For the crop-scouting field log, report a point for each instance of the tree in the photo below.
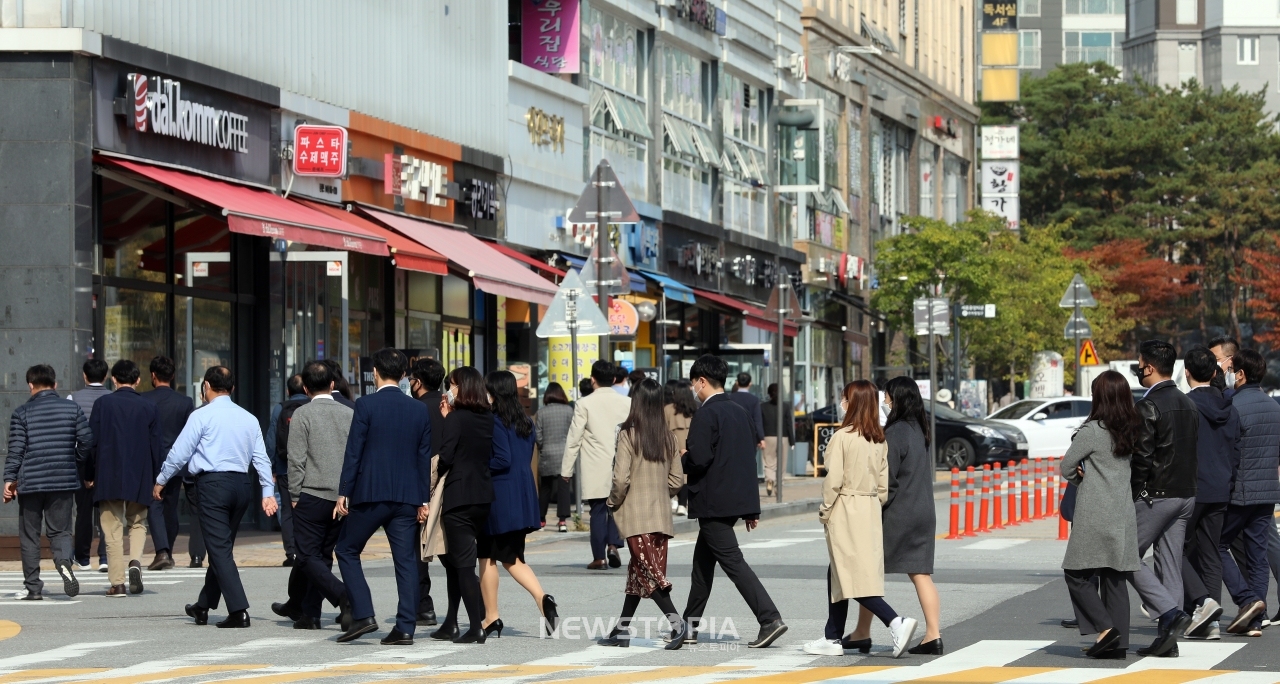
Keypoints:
(1150, 290)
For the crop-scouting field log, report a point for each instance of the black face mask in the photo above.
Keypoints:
(1137, 371)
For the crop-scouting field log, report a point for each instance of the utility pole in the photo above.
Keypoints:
(784, 304)
(933, 389)
(571, 320)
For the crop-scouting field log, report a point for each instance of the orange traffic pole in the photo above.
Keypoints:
(1064, 529)
(997, 495)
(968, 502)
(1012, 483)
(985, 502)
(1026, 490)
(954, 527)
(1053, 486)
(1037, 503)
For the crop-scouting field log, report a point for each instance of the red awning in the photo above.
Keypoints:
(489, 269)
(408, 254)
(753, 315)
(251, 211)
(521, 256)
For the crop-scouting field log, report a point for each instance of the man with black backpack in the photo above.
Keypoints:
(277, 440)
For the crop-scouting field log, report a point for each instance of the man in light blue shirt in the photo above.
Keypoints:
(218, 444)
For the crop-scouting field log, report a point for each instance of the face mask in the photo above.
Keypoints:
(448, 396)
(1231, 379)
(844, 407)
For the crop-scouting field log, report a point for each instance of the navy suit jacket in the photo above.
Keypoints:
(128, 455)
(751, 404)
(388, 451)
(174, 408)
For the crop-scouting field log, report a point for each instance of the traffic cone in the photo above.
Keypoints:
(954, 527)
(997, 496)
(968, 503)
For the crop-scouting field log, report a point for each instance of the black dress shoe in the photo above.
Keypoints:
(859, 645)
(614, 560)
(1108, 642)
(35, 596)
(926, 647)
(196, 563)
(236, 620)
(475, 635)
(285, 610)
(358, 629)
(678, 634)
(397, 638)
(550, 615)
(1167, 639)
(200, 615)
(1070, 623)
(494, 629)
(620, 637)
(344, 614)
(1114, 654)
(288, 562)
(427, 618)
(768, 634)
(306, 622)
(447, 632)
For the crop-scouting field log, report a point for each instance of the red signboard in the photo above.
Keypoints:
(320, 151)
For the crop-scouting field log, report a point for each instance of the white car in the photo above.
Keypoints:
(1047, 423)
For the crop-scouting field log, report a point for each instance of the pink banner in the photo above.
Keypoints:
(549, 35)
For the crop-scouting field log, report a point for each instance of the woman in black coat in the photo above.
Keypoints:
(465, 452)
(909, 520)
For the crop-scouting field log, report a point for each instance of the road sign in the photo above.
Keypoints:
(941, 315)
(977, 310)
(793, 312)
(573, 304)
(615, 201)
(1077, 326)
(619, 277)
(320, 151)
(1089, 355)
(1077, 294)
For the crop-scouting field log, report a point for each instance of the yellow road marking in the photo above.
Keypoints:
(177, 672)
(1161, 676)
(9, 629)
(672, 672)
(28, 675)
(812, 674)
(500, 672)
(334, 671)
(986, 675)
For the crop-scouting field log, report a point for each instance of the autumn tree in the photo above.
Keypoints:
(1154, 288)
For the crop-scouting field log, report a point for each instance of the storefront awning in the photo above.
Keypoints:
(251, 211)
(407, 254)
(753, 315)
(638, 283)
(521, 256)
(671, 288)
(489, 269)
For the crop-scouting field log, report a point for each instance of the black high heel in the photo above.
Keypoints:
(620, 636)
(927, 648)
(494, 628)
(859, 645)
(550, 615)
(447, 632)
(474, 635)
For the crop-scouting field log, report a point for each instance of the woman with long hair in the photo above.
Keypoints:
(1104, 531)
(646, 472)
(909, 519)
(769, 413)
(551, 425)
(465, 452)
(855, 488)
(514, 512)
(679, 415)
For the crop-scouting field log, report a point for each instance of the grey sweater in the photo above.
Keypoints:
(317, 444)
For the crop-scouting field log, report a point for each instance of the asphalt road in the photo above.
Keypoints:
(1002, 597)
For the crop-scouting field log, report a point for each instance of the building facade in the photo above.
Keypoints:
(1053, 32)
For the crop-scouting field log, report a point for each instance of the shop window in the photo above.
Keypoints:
(615, 51)
(744, 109)
(202, 336)
(855, 156)
(952, 188)
(201, 249)
(424, 292)
(135, 327)
(686, 85)
(928, 178)
(457, 297)
(133, 235)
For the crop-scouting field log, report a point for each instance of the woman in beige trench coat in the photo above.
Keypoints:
(856, 486)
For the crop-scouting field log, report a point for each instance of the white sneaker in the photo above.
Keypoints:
(681, 510)
(83, 567)
(675, 503)
(902, 636)
(1206, 612)
(824, 647)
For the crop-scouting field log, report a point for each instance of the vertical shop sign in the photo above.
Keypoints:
(549, 35)
(560, 364)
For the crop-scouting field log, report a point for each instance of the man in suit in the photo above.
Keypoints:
(425, 385)
(277, 440)
(593, 440)
(720, 461)
(750, 403)
(340, 386)
(172, 410)
(123, 468)
(95, 374)
(218, 444)
(317, 434)
(386, 482)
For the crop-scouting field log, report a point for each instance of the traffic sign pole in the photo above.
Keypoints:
(1076, 313)
(603, 248)
(571, 318)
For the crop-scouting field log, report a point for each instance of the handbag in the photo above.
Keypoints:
(1067, 507)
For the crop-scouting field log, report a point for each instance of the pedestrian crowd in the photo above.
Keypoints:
(448, 472)
(1191, 477)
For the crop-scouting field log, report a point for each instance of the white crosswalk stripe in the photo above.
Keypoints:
(61, 653)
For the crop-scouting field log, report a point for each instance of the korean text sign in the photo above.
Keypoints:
(320, 151)
(549, 35)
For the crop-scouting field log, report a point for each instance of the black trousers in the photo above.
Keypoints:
(461, 527)
(1248, 583)
(195, 545)
(316, 533)
(717, 543)
(86, 528)
(1201, 562)
(1102, 607)
(224, 498)
(286, 517)
(425, 604)
(554, 487)
(164, 531)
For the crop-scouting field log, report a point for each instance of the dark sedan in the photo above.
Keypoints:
(962, 441)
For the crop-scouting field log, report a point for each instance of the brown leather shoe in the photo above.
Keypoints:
(118, 591)
(597, 565)
(163, 561)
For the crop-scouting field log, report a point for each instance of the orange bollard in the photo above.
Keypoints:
(1054, 480)
(984, 504)
(1014, 488)
(954, 527)
(1026, 490)
(1037, 502)
(997, 495)
(1064, 530)
(968, 503)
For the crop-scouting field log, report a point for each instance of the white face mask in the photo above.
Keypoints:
(1231, 379)
(448, 396)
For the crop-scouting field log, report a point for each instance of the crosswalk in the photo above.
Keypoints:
(255, 661)
(92, 584)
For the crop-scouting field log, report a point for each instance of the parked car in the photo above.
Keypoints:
(1047, 423)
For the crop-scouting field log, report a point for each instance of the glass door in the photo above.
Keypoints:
(309, 310)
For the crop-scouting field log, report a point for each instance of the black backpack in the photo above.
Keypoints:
(282, 433)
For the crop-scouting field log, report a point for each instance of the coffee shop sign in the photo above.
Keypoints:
(158, 107)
